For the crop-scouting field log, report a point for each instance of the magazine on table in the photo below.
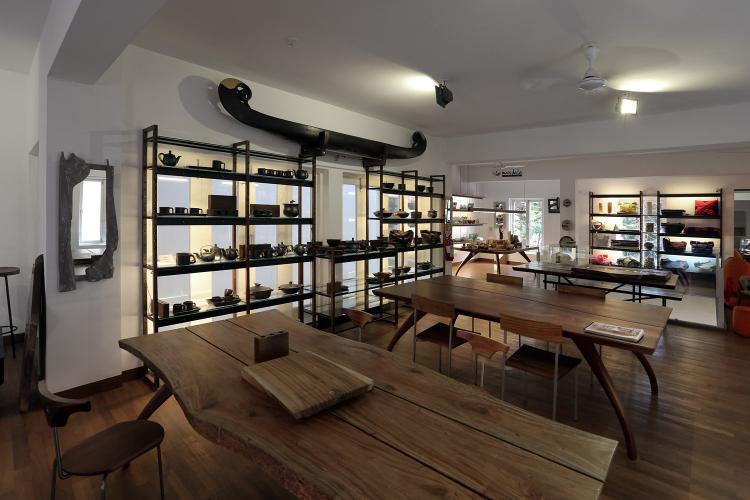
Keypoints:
(615, 331)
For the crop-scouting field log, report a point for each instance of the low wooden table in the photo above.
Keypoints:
(418, 434)
(565, 273)
(489, 301)
(496, 252)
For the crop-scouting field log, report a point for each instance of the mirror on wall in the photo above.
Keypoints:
(87, 231)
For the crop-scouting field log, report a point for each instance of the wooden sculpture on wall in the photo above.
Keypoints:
(73, 170)
(33, 362)
(235, 95)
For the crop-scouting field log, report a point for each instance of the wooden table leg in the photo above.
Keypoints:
(467, 259)
(497, 260)
(649, 371)
(523, 254)
(408, 323)
(589, 352)
(158, 399)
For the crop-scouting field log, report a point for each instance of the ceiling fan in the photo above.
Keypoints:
(592, 83)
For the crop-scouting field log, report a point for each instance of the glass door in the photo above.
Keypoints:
(528, 226)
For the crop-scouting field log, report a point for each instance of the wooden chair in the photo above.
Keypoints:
(546, 364)
(503, 280)
(438, 326)
(483, 349)
(104, 452)
(360, 319)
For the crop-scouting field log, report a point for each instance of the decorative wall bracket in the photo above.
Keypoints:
(235, 96)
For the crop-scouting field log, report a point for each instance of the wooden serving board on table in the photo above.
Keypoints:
(306, 383)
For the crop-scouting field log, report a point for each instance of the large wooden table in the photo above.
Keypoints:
(565, 273)
(418, 434)
(493, 251)
(479, 299)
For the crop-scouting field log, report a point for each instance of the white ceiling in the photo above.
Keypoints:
(21, 23)
(511, 63)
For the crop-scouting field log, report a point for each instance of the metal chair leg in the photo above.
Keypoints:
(502, 378)
(472, 323)
(54, 479)
(554, 387)
(575, 394)
(161, 472)
(103, 487)
(489, 323)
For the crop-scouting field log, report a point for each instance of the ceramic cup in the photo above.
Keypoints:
(196, 211)
(184, 258)
(217, 165)
(180, 210)
(166, 210)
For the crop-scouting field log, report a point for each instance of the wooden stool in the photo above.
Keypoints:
(5, 272)
(360, 319)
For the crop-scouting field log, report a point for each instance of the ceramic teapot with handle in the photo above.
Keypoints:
(230, 253)
(169, 159)
(206, 254)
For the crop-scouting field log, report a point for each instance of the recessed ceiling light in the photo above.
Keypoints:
(421, 83)
(627, 105)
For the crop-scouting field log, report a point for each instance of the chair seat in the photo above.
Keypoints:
(436, 332)
(110, 449)
(540, 362)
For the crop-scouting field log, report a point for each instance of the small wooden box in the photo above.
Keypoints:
(271, 346)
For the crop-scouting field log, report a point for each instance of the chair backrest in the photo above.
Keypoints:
(359, 318)
(482, 346)
(546, 332)
(432, 306)
(579, 290)
(505, 280)
(57, 409)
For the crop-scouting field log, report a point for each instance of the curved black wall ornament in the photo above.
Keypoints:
(234, 96)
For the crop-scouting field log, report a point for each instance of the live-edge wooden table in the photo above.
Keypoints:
(489, 301)
(418, 434)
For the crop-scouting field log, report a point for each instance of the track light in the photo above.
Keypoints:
(443, 95)
(627, 105)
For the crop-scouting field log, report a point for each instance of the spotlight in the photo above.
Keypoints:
(626, 105)
(443, 95)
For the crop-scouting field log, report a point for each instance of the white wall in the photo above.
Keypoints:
(711, 169)
(104, 121)
(16, 206)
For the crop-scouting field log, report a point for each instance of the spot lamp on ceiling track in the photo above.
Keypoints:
(443, 95)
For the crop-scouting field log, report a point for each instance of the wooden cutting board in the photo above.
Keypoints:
(306, 383)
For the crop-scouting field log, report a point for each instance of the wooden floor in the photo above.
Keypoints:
(694, 438)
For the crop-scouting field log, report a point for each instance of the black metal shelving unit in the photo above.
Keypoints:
(598, 213)
(713, 236)
(240, 175)
(359, 289)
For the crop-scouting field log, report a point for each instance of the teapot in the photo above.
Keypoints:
(291, 209)
(281, 249)
(230, 253)
(169, 159)
(206, 254)
(301, 174)
(299, 249)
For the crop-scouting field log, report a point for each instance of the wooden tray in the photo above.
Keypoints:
(633, 274)
(306, 383)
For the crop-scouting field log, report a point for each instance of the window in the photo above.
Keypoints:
(529, 226)
(349, 224)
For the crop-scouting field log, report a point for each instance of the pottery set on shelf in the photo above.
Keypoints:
(299, 174)
(171, 160)
(227, 299)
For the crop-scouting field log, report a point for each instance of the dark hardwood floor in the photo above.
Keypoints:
(693, 438)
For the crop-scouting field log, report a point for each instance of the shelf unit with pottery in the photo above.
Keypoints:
(607, 218)
(401, 191)
(697, 263)
(238, 157)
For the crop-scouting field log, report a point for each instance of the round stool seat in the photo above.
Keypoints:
(9, 271)
(741, 320)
